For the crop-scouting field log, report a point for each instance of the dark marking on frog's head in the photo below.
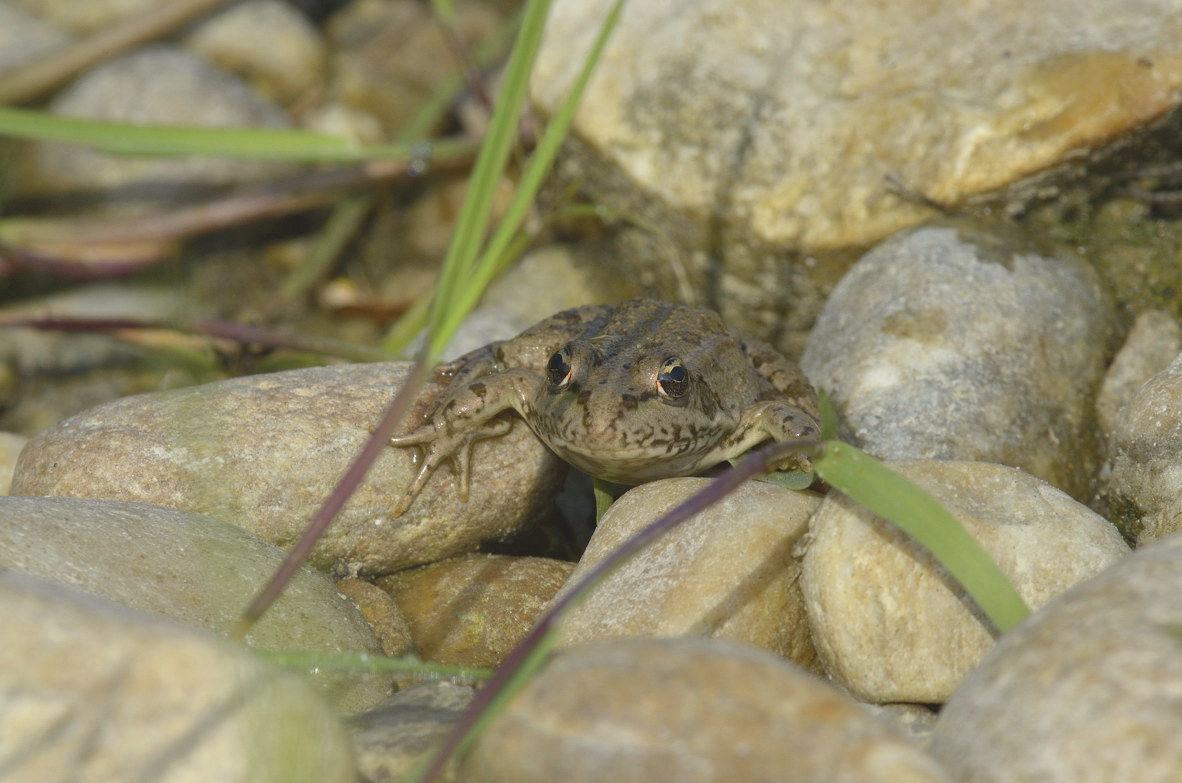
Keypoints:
(625, 418)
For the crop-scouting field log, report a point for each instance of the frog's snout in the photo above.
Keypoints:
(803, 426)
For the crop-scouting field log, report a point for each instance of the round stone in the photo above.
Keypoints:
(1088, 690)
(692, 710)
(727, 572)
(888, 621)
(91, 690)
(1145, 481)
(192, 568)
(265, 451)
(956, 342)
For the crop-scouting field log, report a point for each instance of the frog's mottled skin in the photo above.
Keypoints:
(628, 393)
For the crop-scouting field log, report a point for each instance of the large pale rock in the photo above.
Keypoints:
(691, 710)
(192, 568)
(758, 136)
(956, 342)
(1145, 485)
(888, 621)
(728, 572)
(263, 452)
(1088, 690)
(91, 691)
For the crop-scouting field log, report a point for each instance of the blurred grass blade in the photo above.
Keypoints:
(888, 494)
(476, 212)
(445, 11)
(828, 416)
(284, 144)
(408, 666)
(538, 166)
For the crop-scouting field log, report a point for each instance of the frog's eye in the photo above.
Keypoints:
(558, 368)
(673, 380)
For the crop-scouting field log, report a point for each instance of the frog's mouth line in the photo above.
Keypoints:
(611, 453)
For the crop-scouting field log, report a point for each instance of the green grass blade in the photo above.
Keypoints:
(476, 212)
(281, 144)
(445, 11)
(539, 165)
(603, 497)
(407, 666)
(344, 222)
(886, 493)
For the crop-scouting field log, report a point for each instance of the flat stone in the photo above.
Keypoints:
(94, 691)
(691, 710)
(473, 610)
(263, 452)
(191, 568)
(954, 341)
(1085, 691)
(728, 572)
(887, 620)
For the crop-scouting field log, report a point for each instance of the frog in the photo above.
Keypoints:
(628, 393)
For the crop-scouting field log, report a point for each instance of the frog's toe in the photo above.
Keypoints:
(426, 467)
(399, 507)
(414, 437)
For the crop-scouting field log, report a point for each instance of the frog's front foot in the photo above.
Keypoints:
(793, 425)
(438, 442)
(782, 423)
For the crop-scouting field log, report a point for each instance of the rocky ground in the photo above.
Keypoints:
(959, 219)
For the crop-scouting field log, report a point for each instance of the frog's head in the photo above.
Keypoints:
(636, 416)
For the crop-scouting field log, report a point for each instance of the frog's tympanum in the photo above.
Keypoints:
(628, 393)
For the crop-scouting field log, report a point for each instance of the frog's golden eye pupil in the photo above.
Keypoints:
(673, 380)
(558, 369)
